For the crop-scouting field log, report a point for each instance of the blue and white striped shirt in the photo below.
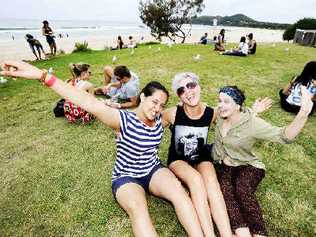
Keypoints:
(137, 146)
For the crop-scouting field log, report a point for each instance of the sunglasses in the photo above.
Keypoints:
(189, 85)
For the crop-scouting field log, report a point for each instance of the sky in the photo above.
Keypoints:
(279, 11)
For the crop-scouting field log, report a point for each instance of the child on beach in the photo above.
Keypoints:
(34, 43)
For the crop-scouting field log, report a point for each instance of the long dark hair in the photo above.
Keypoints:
(222, 33)
(308, 73)
(150, 88)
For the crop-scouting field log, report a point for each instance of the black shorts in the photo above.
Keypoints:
(50, 39)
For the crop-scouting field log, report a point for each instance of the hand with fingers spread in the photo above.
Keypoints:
(20, 69)
(306, 101)
(262, 105)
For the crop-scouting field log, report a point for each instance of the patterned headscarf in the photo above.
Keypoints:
(233, 93)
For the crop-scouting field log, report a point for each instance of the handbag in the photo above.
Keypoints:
(59, 108)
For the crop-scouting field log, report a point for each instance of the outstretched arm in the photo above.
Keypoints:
(294, 128)
(106, 114)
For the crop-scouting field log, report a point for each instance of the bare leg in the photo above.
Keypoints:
(132, 199)
(39, 53)
(195, 183)
(108, 73)
(54, 48)
(34, 52)
(51, 49)
(164, 184)
(215, 198)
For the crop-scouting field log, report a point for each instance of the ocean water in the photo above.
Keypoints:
(17, 29)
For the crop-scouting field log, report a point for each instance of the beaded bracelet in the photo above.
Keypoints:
(43, 76)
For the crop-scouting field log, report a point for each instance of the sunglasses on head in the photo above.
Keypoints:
(189, 85)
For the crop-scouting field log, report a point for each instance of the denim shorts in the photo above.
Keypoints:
(142, 181)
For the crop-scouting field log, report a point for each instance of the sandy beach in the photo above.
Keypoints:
(18, 49)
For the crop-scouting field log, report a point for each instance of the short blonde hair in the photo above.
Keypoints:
(182, 76)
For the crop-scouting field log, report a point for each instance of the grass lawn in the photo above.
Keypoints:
(56, 177)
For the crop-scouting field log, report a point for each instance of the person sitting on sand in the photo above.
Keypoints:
(242, 49)
(131, 43)
(290, 95)
(252, 44)
(34, 43)
(121, 85)
(219, 45)
(203, 39)
(48, 33)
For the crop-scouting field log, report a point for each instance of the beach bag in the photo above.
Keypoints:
(75, 114)
(59, 108)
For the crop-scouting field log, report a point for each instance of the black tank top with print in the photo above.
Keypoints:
(189, 137)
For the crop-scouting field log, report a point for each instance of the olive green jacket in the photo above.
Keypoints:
(236, 147)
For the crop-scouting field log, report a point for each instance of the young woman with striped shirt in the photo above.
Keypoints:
(137, 169)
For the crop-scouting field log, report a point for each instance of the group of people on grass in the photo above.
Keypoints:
(131, 44)
(247, 45)
(221, 177)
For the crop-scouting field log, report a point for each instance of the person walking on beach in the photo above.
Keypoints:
(138, 169)
(34, 43)
(48, 33)
(239, 169)
(121, 85)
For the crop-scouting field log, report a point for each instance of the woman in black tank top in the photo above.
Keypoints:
(187, 158)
